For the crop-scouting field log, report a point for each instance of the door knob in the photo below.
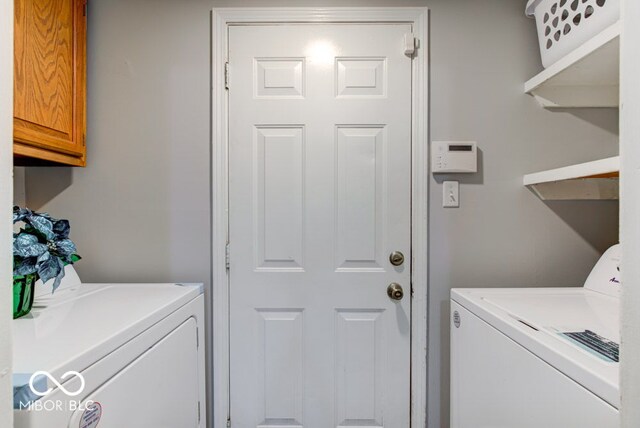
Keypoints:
(396, 258)
(395, 291)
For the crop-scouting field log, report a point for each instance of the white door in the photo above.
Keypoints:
(320, 195)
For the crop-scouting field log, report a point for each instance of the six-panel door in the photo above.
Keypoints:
(320, 195)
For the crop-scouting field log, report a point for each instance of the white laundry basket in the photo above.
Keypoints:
(563, 25)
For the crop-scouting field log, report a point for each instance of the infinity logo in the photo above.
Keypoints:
(53, 380)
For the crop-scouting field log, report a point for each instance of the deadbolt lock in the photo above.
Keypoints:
(395, 291)
(396, 258)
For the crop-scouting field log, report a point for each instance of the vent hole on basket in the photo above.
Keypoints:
(563, 2)
(547, 31)
(565, 14)
(546, 18)
(575, 4)
(549, 43)
(576, 19)
(557, 35)
(554, 8)
(555, 22)
(588, 12)
(567, 29)
(601, 2)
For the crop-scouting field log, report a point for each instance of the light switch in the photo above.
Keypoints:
(450, 194)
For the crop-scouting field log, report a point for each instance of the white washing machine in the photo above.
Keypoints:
(538, 357)
(111, 355)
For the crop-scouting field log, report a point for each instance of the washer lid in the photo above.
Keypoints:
(562, 311)
(76, 327)
(536, 318)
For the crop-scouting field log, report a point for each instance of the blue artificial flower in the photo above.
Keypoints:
(42, 246)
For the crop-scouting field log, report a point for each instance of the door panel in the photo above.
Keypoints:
(360, 207)
(279, 189)
(359, 368)
(319, 195)
(282, 380)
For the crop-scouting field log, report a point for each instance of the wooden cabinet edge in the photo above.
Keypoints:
(22, 133)
(80, 77)
(22, 150)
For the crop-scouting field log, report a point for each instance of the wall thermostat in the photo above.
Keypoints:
(454, 157)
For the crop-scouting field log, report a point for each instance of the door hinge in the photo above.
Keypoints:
(410, 44)
(198, 412)
(197, 337)
(226, 75)
(227, 257)
(228, 422)
(84, 9)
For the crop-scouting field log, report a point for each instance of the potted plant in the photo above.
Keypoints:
(41, 250)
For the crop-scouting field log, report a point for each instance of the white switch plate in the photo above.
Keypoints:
(450, 194)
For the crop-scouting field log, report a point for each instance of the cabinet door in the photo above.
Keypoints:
(50, 80)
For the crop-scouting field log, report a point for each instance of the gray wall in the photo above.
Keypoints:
(140, 210)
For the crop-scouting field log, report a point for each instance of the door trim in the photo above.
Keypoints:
(221, 19)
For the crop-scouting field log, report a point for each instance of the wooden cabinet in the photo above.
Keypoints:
(50, 82)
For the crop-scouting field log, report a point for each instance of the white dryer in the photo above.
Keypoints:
(111, 355)
(538, 357)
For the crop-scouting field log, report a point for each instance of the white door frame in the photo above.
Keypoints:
(219, 300)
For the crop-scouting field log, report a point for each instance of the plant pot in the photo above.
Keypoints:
(23, 294)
